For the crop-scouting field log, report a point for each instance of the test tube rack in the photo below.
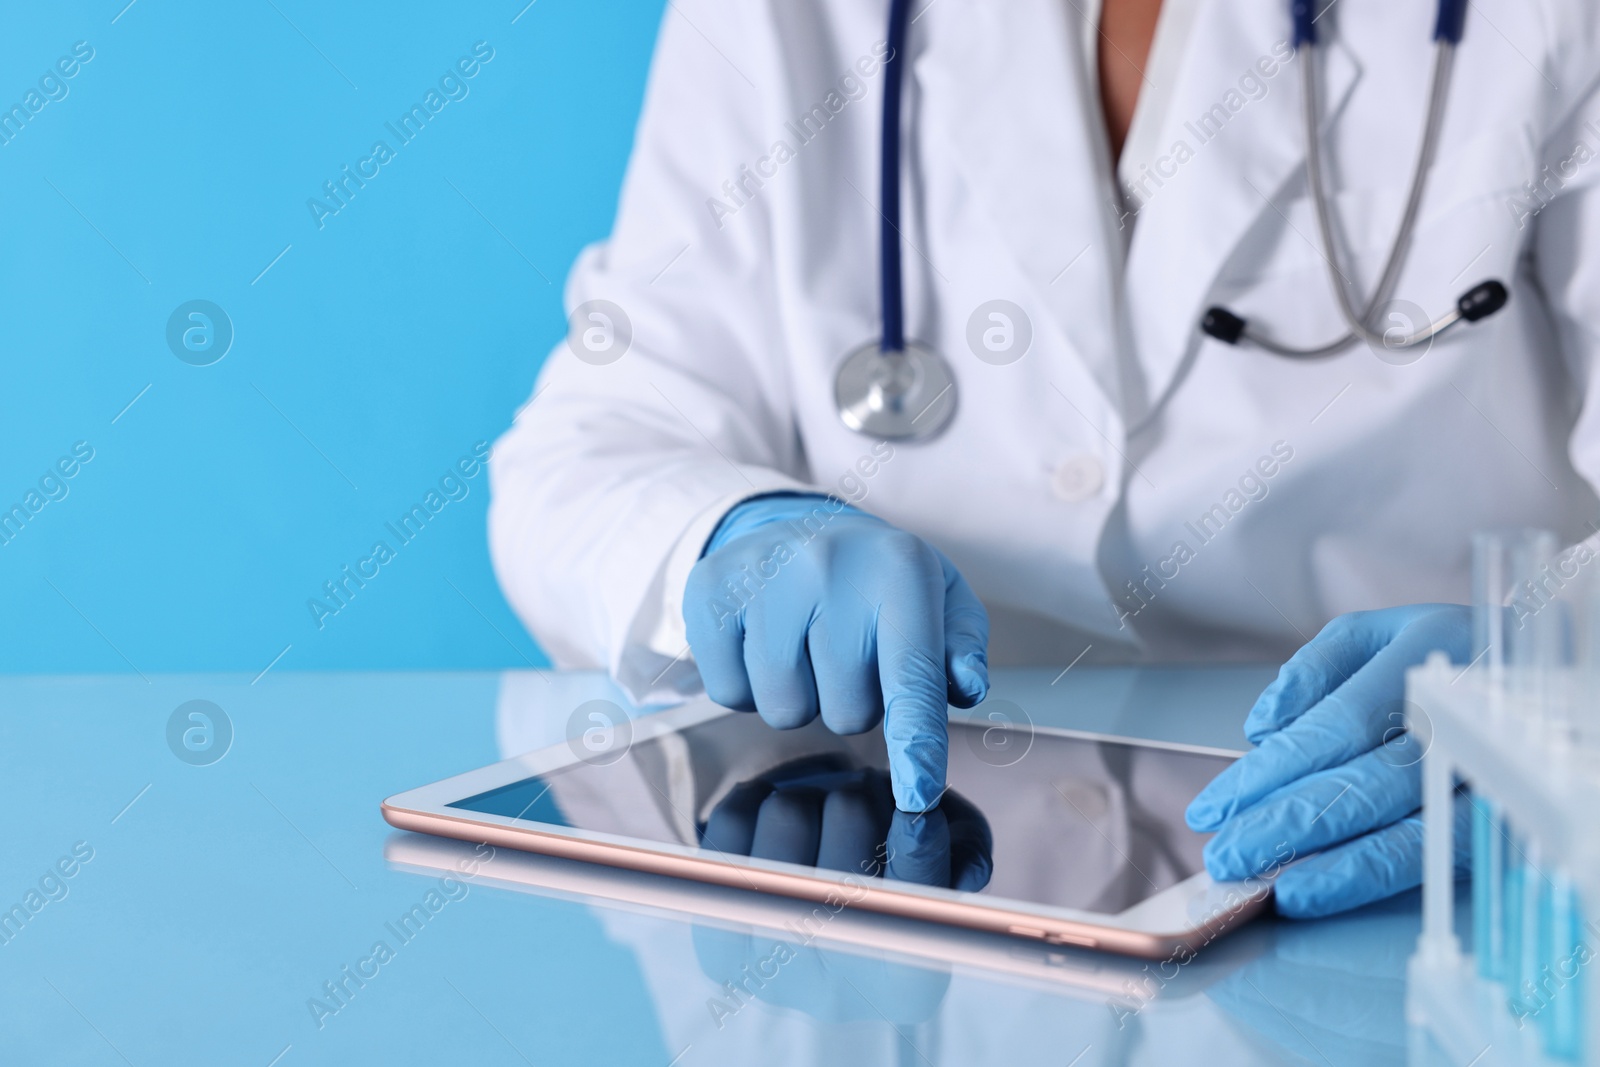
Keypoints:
(1509, 758)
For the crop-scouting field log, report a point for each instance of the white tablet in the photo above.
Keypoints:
(1055, 835)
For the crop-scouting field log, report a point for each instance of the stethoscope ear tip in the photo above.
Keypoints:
(1482, 300)
(1222, 324)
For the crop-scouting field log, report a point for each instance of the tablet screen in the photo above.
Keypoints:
(1030, 814)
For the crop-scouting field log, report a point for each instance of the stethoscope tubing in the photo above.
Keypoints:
(891, 287)
(1482, 300)
(1358, 330)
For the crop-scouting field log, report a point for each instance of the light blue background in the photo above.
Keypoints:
(372, 354)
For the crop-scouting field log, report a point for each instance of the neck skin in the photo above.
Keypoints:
(1126, 29)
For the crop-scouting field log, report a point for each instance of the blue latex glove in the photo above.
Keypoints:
(802, 605)
(1333, 773)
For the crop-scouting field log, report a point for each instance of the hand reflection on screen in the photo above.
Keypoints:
(820, 812)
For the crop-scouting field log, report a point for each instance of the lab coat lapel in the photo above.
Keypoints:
(1237, 152)
(1004, 89)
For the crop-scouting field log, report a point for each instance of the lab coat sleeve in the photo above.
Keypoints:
(614, 474)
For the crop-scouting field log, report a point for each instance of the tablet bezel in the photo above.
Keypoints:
(1173, 923)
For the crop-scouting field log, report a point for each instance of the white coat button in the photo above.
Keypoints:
(1078, 478)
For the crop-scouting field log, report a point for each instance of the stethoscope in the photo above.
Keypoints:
(893, 388)
(899, 389)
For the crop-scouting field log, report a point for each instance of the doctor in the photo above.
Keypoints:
(702, 491)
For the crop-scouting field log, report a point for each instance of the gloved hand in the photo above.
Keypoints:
(1334, 772)
(803, 605)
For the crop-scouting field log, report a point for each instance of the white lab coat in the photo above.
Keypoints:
(1067, 473)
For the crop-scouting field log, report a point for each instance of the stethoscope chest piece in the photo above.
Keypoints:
(907, 395)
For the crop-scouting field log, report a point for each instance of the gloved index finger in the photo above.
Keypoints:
(911, 672)
(966, 639)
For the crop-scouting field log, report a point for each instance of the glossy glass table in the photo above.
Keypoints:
(195, 871)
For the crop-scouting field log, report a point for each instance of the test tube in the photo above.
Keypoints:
(1532, 620)
(1505, 565)
(1491, 581)
(1522, 961)
(1521, 610)
(1488, 887)
(1560, 937)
